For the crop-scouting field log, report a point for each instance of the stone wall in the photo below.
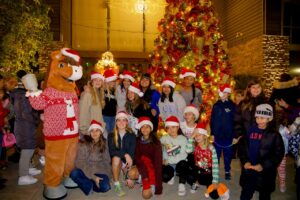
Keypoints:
(266, 56)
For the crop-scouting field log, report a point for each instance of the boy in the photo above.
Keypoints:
(260, 152)
(222, 127)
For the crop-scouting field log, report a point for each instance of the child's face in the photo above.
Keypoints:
(189, 117)
(225, 96)
(97, 82)
(130, 95)
(146, 130)
(122, 123)
(262, 122)
(111, 84)
(95, 134)
(126, 83)
(200, 138)
(255, 90)
(166, 90)
(188, 81)
(145, 82)
(172, 130)
(238, 98)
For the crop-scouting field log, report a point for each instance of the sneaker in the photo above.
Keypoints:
(172, 181)
(34, 171)
(118, 189)
(194, 188)
(181, 189)
(26, 180)
(227, 176)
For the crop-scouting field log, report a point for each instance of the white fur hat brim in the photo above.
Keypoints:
(121, 115)
(192, 110)
(96, 126)
(187, 74)
(202, 131)
(170, 83)
(136, 90)
(171, 124)
(127, 76)
(111, 78)
(94, 76)
(145, 122)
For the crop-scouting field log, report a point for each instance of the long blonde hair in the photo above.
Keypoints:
(116, 135)
(97, 94)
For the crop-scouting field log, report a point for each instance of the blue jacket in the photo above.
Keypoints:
(222, 120)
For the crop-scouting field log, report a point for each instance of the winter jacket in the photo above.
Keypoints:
(270, 154)
(26, 119)
(90, 160)
(153, 151)
(175, 108)
(125, 146)
(222, 120)
(152, 97)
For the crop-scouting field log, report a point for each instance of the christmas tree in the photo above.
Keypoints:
(190, 38)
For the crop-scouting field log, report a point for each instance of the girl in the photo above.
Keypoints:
(110, 108)
(151, 96)
(205, 168)
(92, 165)
(174, 154)
(136, 107)
(127, 78)
(91, 103)
(191, 115)
(148, 158)
(171, 103)
(189, 92)
(121, 144)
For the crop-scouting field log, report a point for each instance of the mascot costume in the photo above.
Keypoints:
(61, 114)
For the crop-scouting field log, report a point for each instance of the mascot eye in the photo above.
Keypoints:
(61, 65)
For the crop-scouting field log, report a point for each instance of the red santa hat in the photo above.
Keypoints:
(201, 129)
(224, 88)
(134, 87)
(110, 75)
(192, 108)
(127, 74)
(144, 121)
(97, 75)
(70, 53)
(122, 114)
(168, 81)
(187, 72)
(96, 125)
(172, 121)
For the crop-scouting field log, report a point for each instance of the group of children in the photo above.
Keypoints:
(118, 125)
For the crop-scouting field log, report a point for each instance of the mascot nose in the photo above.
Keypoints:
(76, 73)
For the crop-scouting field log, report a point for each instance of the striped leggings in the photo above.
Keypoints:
(282, 173)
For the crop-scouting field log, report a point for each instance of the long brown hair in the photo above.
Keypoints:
(97, 94)
(101, 143)
(116, 134)
(131, 106)
(247, 104)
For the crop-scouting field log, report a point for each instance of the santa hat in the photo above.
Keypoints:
(144, 121)
(191, 108)
(97, 75)
(187, 72)
(110, 75)
(201, 129)
(122, 114)
(224, 88)
(70, 53)
(168, 81)
(96, 125)
(134, 87)
(127, 74)
(264, 110)
(221, 192)
(171, 121)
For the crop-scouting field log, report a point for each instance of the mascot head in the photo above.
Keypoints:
(64, 70)
(222, 192)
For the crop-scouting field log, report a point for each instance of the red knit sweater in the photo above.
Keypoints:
(53, 103)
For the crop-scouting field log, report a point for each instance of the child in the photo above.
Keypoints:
(222, 127)
(189, 92)
(174, 154)
(110, 108)
(191, 115)
(205, 168)
(261, 151)
(121, 144)
(148, 158)
(127, 79)
(91, 103)
(92, 165)
(171, 102)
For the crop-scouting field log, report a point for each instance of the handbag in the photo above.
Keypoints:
(8, 140)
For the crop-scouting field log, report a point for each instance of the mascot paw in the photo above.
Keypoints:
(55, 193)
(34, 93)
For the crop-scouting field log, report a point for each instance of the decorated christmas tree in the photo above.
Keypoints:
(190, 38)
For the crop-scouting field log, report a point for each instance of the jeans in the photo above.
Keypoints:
(109, 123)
(88, 185)
(227, 154)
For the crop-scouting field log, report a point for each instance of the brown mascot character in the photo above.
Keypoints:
(60, 104)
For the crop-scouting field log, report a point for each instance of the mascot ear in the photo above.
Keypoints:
(56, 55)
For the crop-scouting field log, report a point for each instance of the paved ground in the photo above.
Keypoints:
(34, 192)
